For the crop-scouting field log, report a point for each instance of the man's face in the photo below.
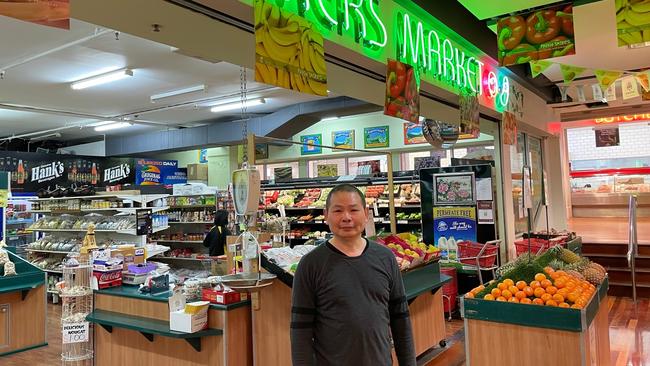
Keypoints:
(346, 215)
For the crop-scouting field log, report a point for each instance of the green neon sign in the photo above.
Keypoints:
(382, 29)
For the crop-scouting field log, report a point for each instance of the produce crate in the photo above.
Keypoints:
(468, 250)
(573, 320)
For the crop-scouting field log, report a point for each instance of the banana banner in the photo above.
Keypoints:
(632, 21)
(289, 51)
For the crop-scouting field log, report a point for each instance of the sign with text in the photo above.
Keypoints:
(75, 332)
(537, 35)
(454, 224)
(158, 172)
(606, 137)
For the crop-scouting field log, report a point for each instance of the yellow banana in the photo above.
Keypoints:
(629, 33)
(260, 50)
(277, 51)
(620, 15)
(641, 7)
(286, 36)
(318, 87)
(274, 18)
(305, 61)
(258, 74)
(646, 35)
(284, 79)
(637, 19)
(317, 61)
(620, 4)
(269, 74)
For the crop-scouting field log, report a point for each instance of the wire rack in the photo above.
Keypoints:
(77, 299)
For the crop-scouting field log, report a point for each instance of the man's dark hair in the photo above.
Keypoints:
(345, 187)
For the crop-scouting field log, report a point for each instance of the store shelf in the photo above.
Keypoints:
(52, 292)
(46, 251)
(183, 259)
(19, 222)
(296, 208)
(19, 234)
(189, 222)
(151, 253)
(52, 271)
(123, 231)
(193, 206)
(180, 241)
(314, 222)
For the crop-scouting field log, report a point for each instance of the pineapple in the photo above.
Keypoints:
(557, 264)
(575, 274)
(579, 266)
(598, 267)
(594, 276)
(568, 256)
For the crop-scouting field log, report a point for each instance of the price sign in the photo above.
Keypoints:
(75, 332)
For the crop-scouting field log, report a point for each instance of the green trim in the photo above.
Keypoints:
(575, 245)
(423, 279)
(132, 292)
(24, 349)
(22, 286)
(535, 316)
(145, 325)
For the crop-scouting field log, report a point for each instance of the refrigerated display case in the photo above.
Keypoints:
(605, 192)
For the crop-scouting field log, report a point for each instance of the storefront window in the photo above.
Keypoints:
(271, 169)
(407, 160)
(527, 153)
(327, 168)
(516, 169)
(368, 164)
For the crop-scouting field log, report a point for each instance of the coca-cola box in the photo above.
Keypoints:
(108, 279)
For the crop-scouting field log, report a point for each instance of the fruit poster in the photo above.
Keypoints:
(375, 137)
(632, 22)
(509, 127)
(343, 139)
(413, 134)
(52, 13)
(402, 91)
(289, 51)
(537, 35)
(309, 144)
(452, 225)
(469, 117)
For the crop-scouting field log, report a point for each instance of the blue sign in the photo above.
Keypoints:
(203, 156)
(158, 172)
(451, 225)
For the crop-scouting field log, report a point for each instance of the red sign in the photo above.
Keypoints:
(626, 118)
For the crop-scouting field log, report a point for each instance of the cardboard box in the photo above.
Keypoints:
(188, 323)
(130, 255)
(197, 172)
(220, 297)
(107, 279)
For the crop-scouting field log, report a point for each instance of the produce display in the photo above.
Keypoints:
(287, 258)
(631, 18)
(408, 249)
(191, 200)
(405, 194)
(68, 222)
(559, 277)
(56, 244)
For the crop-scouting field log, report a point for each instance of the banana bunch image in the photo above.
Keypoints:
(289, 51)
(633, 21)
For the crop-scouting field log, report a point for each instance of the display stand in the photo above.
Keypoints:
(77, 299)
(23, 314)
(558, 336)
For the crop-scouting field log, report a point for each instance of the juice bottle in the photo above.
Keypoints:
(93, 174)
(20, 173)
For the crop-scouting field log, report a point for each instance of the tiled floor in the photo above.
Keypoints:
(629, 333)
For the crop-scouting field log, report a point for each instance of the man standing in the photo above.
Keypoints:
(348, 296)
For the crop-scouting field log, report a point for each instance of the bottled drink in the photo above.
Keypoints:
(93, 175)
(73, 174)
(20, 173)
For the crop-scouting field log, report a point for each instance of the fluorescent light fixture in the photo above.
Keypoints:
(101, 79)
(45, 137)
(329, 118)
(236, 105)
(173, 93)
(112, 126)
(100, 123)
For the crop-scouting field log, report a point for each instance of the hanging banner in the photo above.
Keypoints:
(580, 89)
(52, 13)
(607, 78)
(597, 92)
(570, 72)
(632, 22)
(413, 134)
(564, 89)
(470, 126)
(606, 137)
(610, 93)
(539, 66)
(159, 172)
(643, 80)
(402, 91)
(509, 128)
(516, 102)
(537, 35)
(629, 87)
(289, 51)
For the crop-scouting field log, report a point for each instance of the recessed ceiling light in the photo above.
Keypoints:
(101, 79)
(173, 93)
(112, 126)
(236, 105)
(329, 118)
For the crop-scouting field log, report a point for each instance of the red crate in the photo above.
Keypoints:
(470, 249)
(536, 245)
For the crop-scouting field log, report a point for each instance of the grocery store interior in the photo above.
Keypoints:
(166, 164)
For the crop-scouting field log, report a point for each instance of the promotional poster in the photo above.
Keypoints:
(158, 172)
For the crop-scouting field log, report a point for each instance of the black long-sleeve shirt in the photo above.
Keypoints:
(344, 309)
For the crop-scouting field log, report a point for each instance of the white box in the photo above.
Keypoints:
(188, 323)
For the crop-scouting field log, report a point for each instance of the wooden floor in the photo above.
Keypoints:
(629, 333)
(608, 230)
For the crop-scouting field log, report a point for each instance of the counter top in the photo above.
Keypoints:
(422, 279)
(132, 292)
